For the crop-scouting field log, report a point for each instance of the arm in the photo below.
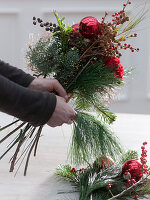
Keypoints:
(35, 107)
(14, 74)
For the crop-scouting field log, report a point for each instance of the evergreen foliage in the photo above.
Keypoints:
(91, 138)
(130, 154)
(89, 85)
(89, 183)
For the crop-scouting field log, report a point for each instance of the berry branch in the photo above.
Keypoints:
(126, 190)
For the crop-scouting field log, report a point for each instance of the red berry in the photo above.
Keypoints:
(135, 34)
(136, 197)
(119, 43)
(106, 13)
(113, 15)
(133, 180)
(142, 147)
(129, 2)
(129, 181)
(109, 185)
(131, 35)
(125, 44)
(73, 170)
(144, 143)
(107, 188)
(132, 50)
(124, 4)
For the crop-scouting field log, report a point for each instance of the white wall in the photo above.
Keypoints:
(16, 24)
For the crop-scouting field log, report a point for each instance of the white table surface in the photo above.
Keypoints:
(40, 182)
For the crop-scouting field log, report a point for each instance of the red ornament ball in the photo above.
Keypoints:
(76, 28)
(114, 64)
(89, 27)
(103, 162)
(134, 168)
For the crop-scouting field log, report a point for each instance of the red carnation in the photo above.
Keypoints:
(114, 64)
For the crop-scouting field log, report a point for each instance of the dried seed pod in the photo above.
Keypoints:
(34, 18)
(47, 28)
(39, 20)
(47, 23)
(51, 29)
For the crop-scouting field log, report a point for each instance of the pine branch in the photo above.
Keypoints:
(22, 138)
(30, 151)
(16, 129)
(1, 129)
(37, 141)
(91, 138)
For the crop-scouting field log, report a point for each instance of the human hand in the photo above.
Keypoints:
(49, 85)
(63, 113)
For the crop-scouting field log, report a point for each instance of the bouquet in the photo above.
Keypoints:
(85, 59)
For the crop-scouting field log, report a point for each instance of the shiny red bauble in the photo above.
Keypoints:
(89, 27)
(134, 168)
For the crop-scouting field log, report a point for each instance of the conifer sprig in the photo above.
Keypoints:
(90, 138)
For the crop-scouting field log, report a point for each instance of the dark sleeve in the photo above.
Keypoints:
(14, 74)
(28, 105)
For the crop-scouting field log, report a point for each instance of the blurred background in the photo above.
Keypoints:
(16, 29)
